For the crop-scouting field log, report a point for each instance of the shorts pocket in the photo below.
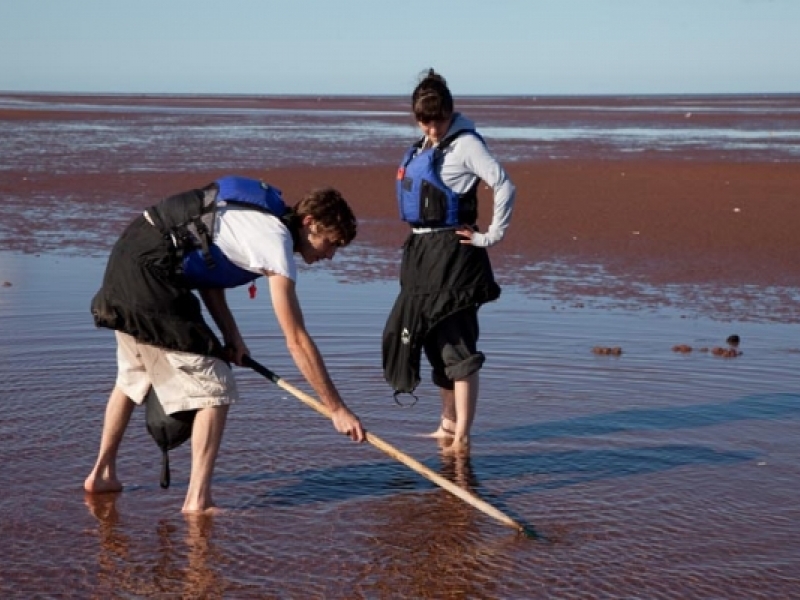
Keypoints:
(201, 377)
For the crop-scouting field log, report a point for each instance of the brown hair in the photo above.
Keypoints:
(330, 210)
(431, 100)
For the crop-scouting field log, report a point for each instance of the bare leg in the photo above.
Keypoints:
(103, 477)
(209, 424)
(448, 422)
(466, 399)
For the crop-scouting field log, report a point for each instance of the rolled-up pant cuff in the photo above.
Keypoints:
(458, 371)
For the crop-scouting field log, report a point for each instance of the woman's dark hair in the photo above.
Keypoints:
(330, 210)
(431, 100)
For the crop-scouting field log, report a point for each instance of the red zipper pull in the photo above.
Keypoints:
(252, 290)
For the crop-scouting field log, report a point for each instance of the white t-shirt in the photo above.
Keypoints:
(255, 240)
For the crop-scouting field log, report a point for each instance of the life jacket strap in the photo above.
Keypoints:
(409, 405)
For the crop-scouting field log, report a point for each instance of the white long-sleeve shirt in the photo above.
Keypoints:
(466, 159)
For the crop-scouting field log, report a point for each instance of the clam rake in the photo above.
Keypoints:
(410, 462)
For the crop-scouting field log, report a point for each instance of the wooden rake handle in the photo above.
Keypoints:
(413, 464)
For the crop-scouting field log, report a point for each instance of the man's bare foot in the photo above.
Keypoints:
(445, 431)
(206, 512)
(95, 484)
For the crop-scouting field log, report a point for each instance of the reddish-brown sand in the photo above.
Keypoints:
(665, 222)
(658, 221)
(668, 222)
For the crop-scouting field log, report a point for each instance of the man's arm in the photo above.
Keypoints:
(217, 305)
(307, 357)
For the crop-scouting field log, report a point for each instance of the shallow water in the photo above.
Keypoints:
(652, 474)
(199, 134)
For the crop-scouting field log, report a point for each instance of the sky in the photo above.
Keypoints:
(324, 47)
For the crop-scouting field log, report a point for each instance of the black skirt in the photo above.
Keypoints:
(438, 277)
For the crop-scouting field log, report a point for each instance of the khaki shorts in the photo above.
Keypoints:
(181, 380)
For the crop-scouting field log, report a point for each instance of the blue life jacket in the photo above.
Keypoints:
(188, 219)
(212, 268)
(423, 199)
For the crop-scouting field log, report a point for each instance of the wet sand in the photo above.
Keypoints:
(650, 473)
(726, 226)
(647, 218)
(665, 222)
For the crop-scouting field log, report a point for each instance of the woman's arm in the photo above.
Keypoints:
(481, 162)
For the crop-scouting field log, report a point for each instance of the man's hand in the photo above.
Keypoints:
(347, 423)
(235, 352)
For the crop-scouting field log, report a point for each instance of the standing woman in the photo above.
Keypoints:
(445, 275)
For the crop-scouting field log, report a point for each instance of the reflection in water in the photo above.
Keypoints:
(202, 577)
(189, 570)
(433, 546)
(114, 566)
(458, 469)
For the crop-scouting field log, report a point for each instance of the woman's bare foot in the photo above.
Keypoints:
(443, 443)
(458, 447)
(445, 431)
